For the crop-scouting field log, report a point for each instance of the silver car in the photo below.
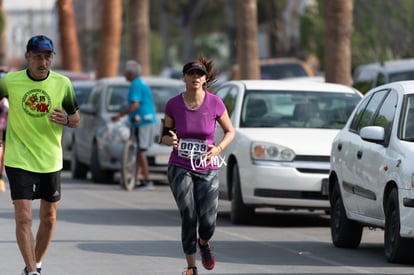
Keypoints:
(82, 89)
(98, 141)
(371, 181)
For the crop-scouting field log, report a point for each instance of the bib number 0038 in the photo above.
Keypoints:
(192, 148)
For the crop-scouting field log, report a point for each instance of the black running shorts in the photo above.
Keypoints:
(30, 185)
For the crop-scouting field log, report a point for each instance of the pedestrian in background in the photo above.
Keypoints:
(142, 115)
(41, 103)
(4, 110)
(189, 126)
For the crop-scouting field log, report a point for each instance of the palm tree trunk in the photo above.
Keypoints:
(69, 43)
(165, 33)
(110, 41)
(247, 49)
(139, 31)
(338, 32)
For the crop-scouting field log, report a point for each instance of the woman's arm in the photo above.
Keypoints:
(229, 133)
(168, 136)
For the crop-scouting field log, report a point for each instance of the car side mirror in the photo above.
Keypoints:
(373, 133)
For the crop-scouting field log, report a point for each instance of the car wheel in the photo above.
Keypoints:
(99, 175)
(396, 249)
(345, 233)
(128, 169)
(78, 169)
(240, 213)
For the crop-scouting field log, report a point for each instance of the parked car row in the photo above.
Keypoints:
(323, 146)
(298, 145)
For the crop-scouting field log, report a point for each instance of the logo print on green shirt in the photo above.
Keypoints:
(36, 103)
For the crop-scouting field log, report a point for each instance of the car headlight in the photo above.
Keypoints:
(117, 132)
(270, 151)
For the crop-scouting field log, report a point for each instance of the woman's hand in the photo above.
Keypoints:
(214, 151)
(174, 139)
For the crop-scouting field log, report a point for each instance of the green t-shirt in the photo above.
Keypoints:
(33, 142)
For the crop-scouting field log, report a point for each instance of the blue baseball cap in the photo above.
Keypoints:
(40, 43)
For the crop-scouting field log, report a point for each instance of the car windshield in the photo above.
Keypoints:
(280, 71)
(82, 93)
(297, 109)
(162, 94)
(117, 99)
(405, 75)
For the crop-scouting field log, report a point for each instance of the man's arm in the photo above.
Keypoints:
(73, 120)
(131, 108)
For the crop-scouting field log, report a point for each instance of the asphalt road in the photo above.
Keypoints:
(103, 229)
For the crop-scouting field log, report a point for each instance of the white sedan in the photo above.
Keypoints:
(371, 182)
(280, 155)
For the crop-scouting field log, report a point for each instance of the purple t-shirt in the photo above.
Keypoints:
(195, 129)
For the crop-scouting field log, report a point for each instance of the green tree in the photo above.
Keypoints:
(383, 30)
(2, 35)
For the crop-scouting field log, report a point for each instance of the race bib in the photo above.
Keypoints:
(192, 148)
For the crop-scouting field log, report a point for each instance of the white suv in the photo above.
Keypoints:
(371, 182)
(372, 75)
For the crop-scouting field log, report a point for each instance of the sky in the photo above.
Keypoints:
(25, 4)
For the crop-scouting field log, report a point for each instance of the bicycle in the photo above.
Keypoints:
(128, 163)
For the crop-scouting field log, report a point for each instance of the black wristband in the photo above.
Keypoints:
(165, 132)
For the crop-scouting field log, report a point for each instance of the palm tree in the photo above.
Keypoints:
(338, 31)
(68, 37)
(189, 12)
(247, 49)
(110, 40)
(139, 32)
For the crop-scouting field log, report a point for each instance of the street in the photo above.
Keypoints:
(103, 229)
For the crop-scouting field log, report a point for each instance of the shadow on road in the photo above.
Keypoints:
(272, 253)
(281, 219)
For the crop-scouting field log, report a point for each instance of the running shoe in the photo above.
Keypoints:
(207, 257)
(25, 272)
(146, 185)
(191, 271)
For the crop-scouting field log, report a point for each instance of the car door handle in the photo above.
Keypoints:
(339, 147)
(359, 154)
